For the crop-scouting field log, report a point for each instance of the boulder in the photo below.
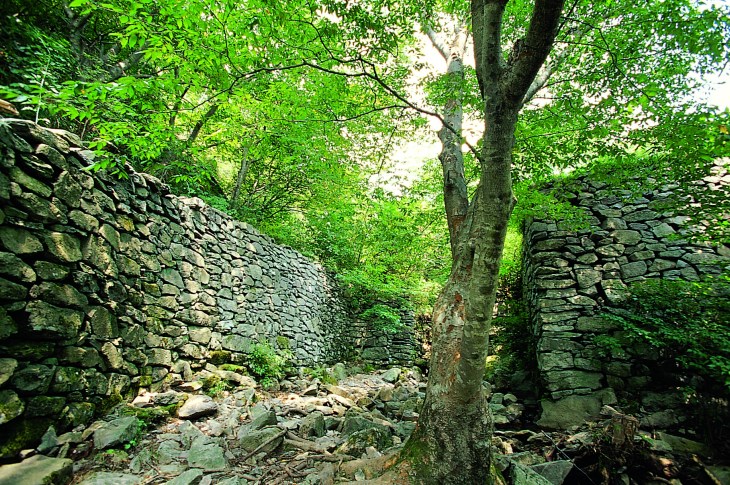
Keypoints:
(312, 425)
(10, 406)
(554, 471)
(37, 470)
(109, 478)
(391, 375)
(116, 432)
(196, 407)
(206, 455)
(253, 440)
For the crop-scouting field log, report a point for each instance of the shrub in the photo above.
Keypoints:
(266, 363)
(686, 322)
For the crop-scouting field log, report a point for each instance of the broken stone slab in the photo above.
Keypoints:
(266, 436)
(312, 425)
(116, 432)
(391, 375)
(110, 478)
(197, 406)
(260, 421)
(37, 470)
(188, 477)
(523, 475)
(554, 471)
(207, 456)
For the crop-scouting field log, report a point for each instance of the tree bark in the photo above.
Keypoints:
(451, 443)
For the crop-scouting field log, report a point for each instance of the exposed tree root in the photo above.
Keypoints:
(385, 470)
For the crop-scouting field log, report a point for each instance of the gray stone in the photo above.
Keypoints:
(116, 432)
(523, 475)
(48, 441)
(173, 277)
(37, 470)
(33, 379)
(63, 246)
(25, 180)
(611, 250)
(14, 267)
(572, 379)
(626, 237)
(574, 410)
(641, 215)
(53, 321)
(12, 291)
(44, 406)
(200, 334)
(587, 277)
(312, 425)
(253, 440)
(10, 406)
(554, 471)
(632, 270)
(159, 357)
(391, 375)
(356, 422)
(111, 235)
(111, 478)
(236, 343)
(196, 407)
(357, 443)
(188, 477)
(50, 271)
(205, 455)
(99, 254)
(68, 190)
(7, 367)
(112, 356)
(59, 294)
(662, 230)
(103, 323)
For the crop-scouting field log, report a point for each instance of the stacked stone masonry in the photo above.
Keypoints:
(106, 284)
(571, 277)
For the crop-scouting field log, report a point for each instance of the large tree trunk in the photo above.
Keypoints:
(451, 443)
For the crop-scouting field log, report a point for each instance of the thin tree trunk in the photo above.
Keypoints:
(241, 176)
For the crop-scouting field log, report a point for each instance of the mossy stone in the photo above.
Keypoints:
(22, 433)
(218, 357)
(11, 406)
(44, 406)
(77, 413)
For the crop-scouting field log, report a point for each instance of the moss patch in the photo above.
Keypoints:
(218, 357)
(22, 433)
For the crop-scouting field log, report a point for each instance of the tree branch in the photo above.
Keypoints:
(534, 50)
(436, 42)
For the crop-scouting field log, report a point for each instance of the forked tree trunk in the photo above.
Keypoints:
(451, 443)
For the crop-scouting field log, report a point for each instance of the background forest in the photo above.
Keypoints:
(290, 115)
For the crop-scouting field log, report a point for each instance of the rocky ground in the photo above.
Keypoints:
(303, 428)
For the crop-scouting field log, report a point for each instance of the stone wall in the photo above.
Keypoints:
(571, 277)
(107, 284)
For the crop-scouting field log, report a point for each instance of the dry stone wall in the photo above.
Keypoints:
(571, 277)
(106, 284)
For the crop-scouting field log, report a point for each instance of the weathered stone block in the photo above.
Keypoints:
(52, 321)
(59, 294)
(632, 270)
(33, 379)
(63, 246)
(19, 241)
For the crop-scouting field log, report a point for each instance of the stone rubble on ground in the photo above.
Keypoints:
(247, 436)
